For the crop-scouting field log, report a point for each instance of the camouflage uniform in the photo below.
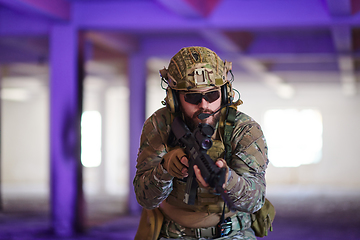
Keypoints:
(247, 234)
(245, 185)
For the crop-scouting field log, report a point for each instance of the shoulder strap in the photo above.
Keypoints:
(228, 129)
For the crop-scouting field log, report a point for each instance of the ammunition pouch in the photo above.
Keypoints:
(206, 199)
(150, 224)
(262, 220)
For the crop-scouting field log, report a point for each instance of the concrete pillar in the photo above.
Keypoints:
(104, 156)
(137, 85)
(1, 196)
(66, 83)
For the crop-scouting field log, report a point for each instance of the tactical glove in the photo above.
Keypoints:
(224, 165)
(172, 162)
(220, 163)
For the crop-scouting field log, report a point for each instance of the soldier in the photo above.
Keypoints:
(199, 92)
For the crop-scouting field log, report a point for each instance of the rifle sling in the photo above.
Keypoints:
(228, 129)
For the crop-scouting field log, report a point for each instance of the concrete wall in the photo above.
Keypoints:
(340, 115)
(24, 137)
(110, 98)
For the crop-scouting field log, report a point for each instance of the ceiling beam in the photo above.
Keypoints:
(168, 45)
(35, 46)
(113, 41)
(342, 37)
(339, 8)
(347, 75)
(52, 9)
(16, 55)
(181, 7)
(200, 9)
(341, 32)
(191, 8)
(282, 88)
(14, 24)
(285, 42)
(228, 15)
(220, 40)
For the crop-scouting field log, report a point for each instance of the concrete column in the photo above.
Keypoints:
(137, 85)
(104, 158)
(66, 83)
(1, 196)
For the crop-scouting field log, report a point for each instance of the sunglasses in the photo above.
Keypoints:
(196, 97)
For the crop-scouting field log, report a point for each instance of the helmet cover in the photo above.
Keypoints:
(195, 67)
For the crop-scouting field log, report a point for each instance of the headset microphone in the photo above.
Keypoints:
(202, 116)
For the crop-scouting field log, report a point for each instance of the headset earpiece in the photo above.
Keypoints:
(224, 95)
(227, 94)
(171, 99)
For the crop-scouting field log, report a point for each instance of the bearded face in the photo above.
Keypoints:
(191, 111)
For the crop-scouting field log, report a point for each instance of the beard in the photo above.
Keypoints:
(193, 121)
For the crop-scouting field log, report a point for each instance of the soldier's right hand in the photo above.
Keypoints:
(176, 163)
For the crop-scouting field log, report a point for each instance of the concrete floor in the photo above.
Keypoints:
(304, 214)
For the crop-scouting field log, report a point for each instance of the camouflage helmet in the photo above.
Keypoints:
(195, 67)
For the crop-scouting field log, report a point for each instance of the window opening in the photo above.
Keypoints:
(294, 136)
(91, 139)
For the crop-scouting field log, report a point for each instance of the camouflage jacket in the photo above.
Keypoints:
(246, 183)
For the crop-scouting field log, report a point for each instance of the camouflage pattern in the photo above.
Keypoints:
(246, 183)
(247, 234)
(172, 230)
(195, 67)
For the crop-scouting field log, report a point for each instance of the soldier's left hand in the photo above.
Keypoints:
(221, 163)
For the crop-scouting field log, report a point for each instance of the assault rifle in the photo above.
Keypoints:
(195, 145)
